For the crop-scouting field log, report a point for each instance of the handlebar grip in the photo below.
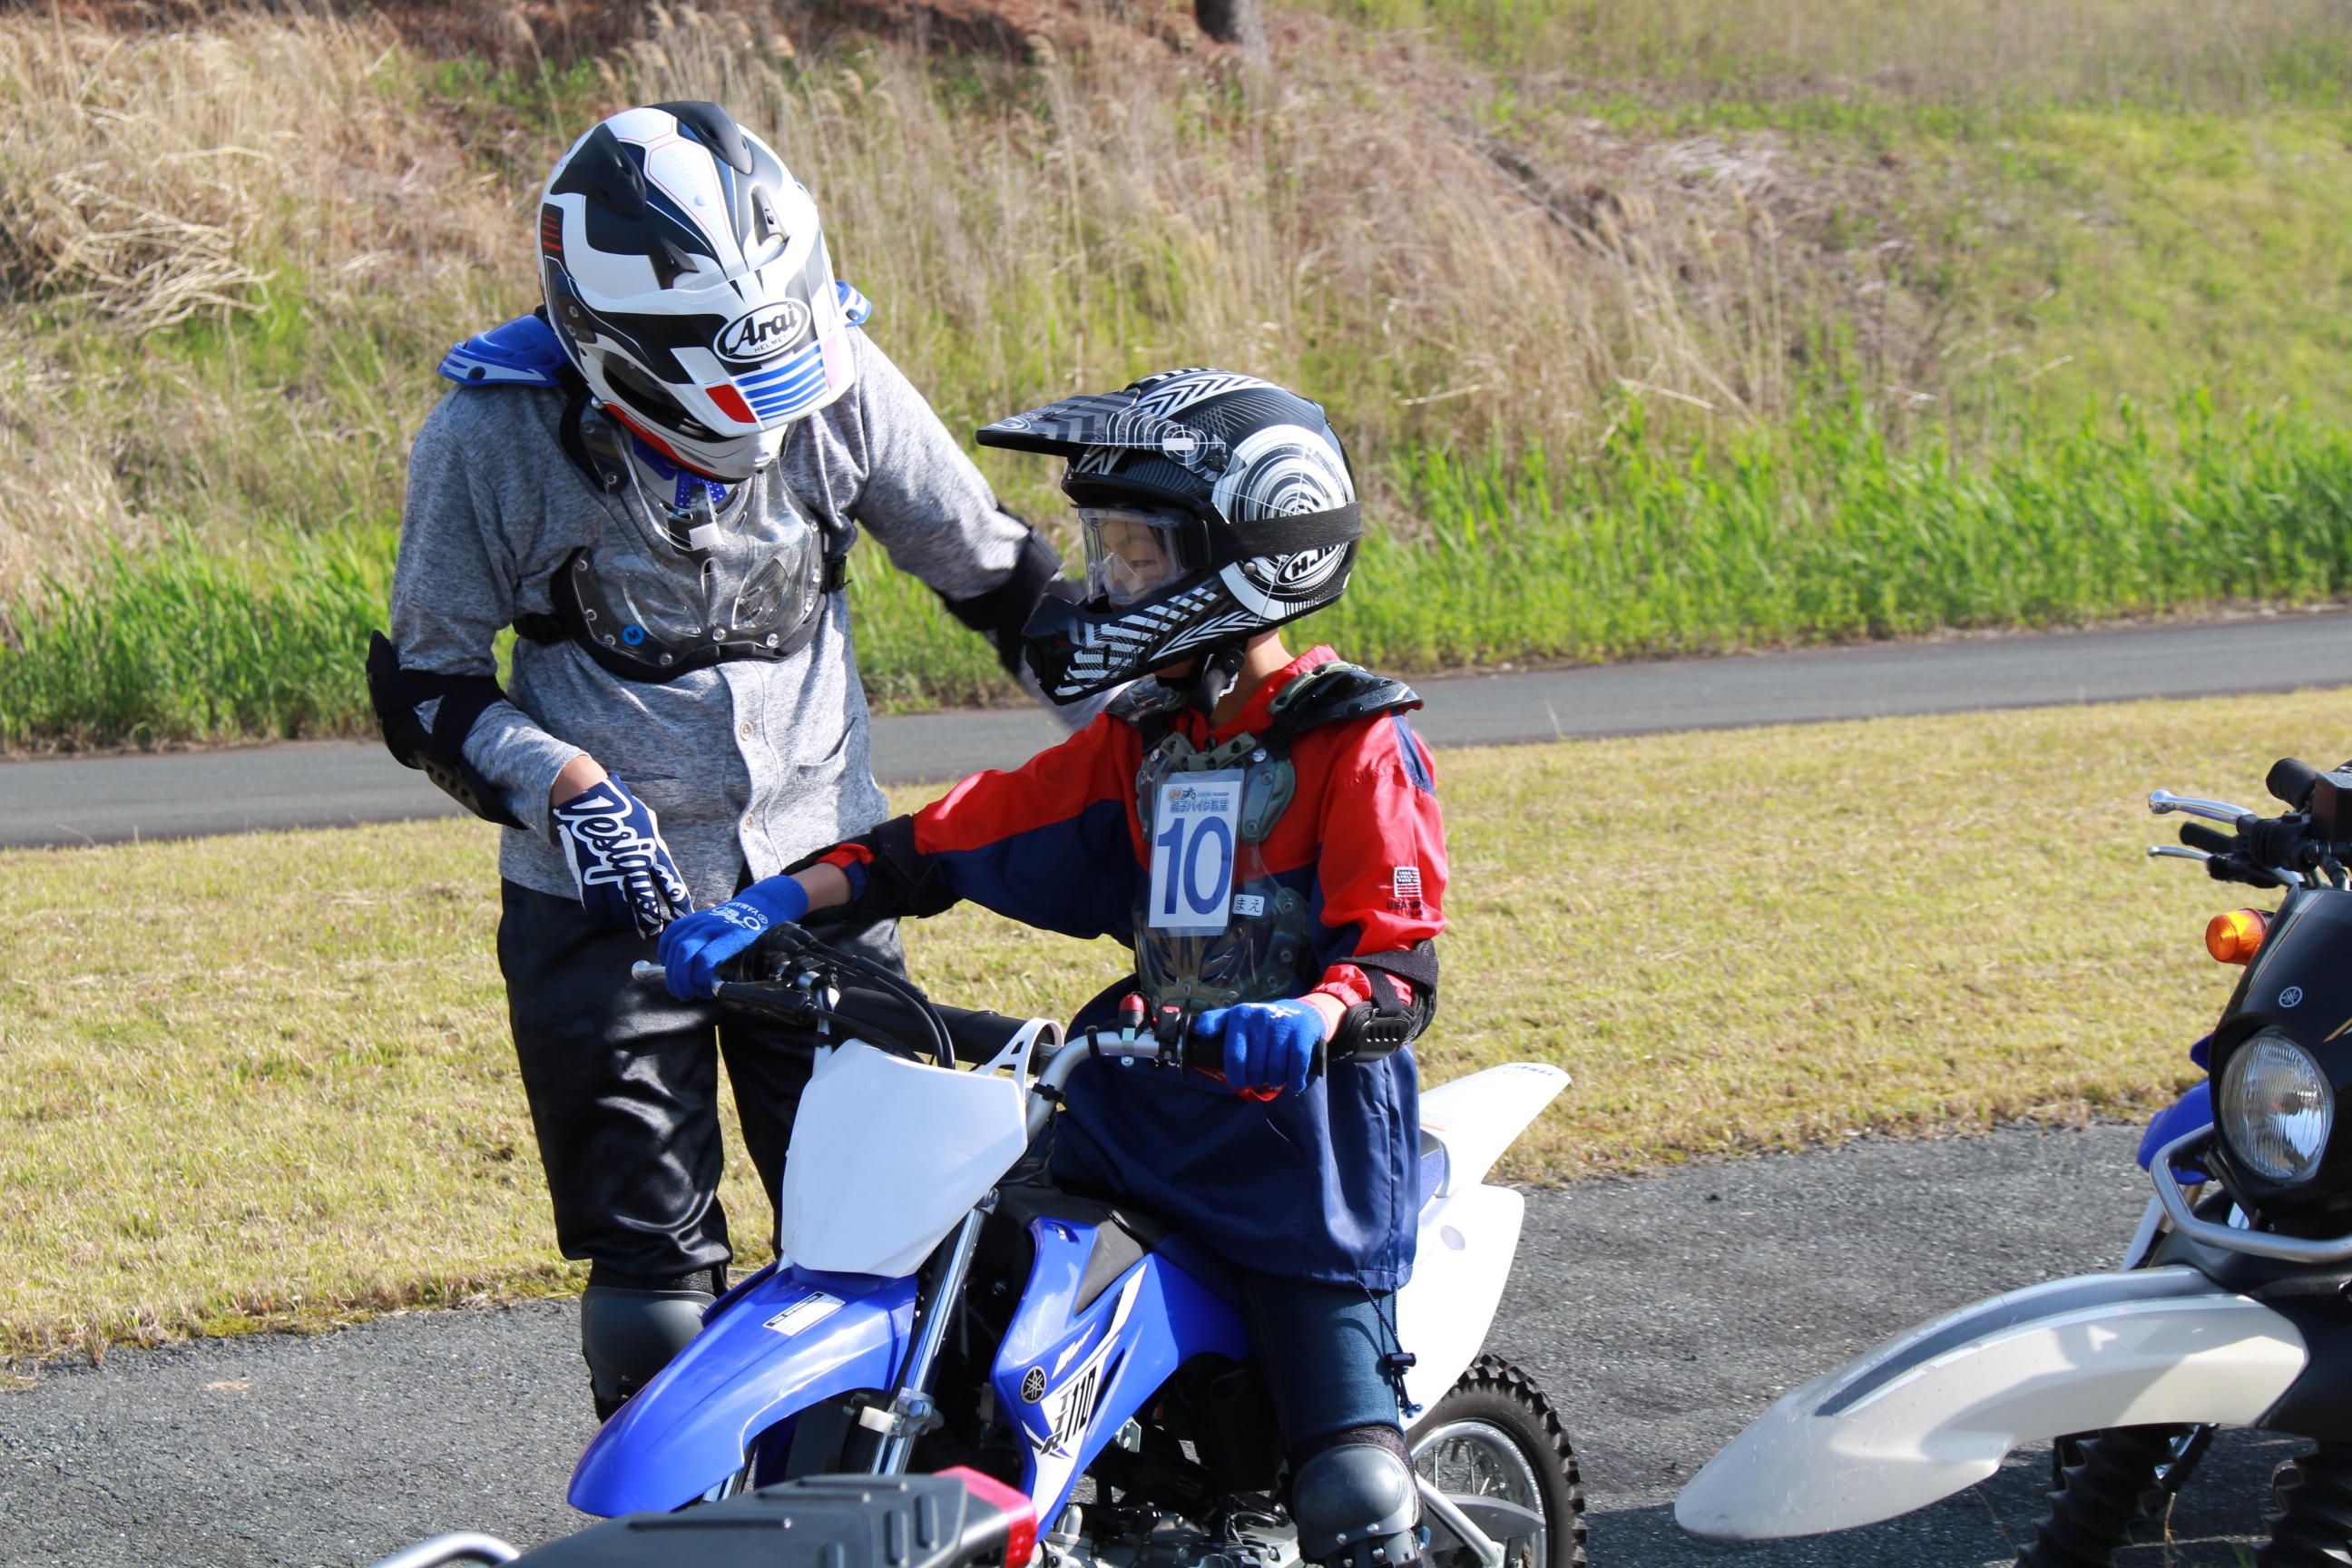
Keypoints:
(2198, 837)
(2291, 780)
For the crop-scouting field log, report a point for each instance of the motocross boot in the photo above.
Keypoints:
(630, 1327)
(1355, 1503)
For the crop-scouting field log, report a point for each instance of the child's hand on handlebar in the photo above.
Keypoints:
(1269, 1046)
(693, 948)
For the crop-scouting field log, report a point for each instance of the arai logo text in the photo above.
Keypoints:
(764, 332)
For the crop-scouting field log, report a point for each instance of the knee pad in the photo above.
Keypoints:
(629, 1333)
(1356, 1504)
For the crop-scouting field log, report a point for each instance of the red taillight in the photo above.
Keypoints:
(1020, 1513)
(2236, 936)
(731, 402)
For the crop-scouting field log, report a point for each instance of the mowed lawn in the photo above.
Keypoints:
(266, 1080)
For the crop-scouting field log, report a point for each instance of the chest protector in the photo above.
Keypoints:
(657, 595)
(1256, 949)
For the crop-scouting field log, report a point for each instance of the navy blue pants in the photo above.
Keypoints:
(1322, 1347)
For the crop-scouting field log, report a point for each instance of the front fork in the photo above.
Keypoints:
(911, 1412)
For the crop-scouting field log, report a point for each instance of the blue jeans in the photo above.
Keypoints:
(1321, 1347)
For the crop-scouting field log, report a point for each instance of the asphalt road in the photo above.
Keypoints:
(1661, 1313)
(337, 784)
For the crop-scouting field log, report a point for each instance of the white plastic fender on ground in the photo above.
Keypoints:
(1936, 1409)
(888, 1155)
(1469, 1236)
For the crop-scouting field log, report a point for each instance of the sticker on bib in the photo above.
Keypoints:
(1193, 853)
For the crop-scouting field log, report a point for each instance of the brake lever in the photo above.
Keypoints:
(2164, 803)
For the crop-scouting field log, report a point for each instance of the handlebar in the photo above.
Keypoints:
(812, 997)
(2285, 851)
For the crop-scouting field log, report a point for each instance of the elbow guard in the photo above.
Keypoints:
(898, 879)
(1000, 614)
(1381, 1027)
(426, 721)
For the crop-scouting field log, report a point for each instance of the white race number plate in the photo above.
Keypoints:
(1196, 825)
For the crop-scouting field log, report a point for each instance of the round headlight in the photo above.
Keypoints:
(2275, 1107)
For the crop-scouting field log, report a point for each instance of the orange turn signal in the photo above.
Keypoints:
(2236, 936)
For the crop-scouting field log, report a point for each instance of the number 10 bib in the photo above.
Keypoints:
(1196, 818)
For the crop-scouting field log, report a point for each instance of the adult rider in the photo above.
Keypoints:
(656, 479)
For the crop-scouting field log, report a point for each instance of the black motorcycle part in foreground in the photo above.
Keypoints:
(823, 1521)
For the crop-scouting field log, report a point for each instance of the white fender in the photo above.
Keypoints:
(1936, 1409)
(1469, 1233)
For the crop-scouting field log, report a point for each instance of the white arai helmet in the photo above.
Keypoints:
(686, 274)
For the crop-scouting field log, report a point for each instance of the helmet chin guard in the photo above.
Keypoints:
(1271, 509)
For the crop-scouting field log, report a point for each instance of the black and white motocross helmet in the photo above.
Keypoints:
(687, 276)
(1214, 506)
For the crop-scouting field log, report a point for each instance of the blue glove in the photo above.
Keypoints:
(612, 840)
(693, 949)
(1269, 1046)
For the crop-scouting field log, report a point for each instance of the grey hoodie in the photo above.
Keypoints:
(747, 763)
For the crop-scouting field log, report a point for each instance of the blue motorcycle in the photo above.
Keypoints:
(940, 1302)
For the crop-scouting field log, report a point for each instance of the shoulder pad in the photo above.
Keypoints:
(523, 353)
(1329, 693)
(855, 306)
(1139, 699)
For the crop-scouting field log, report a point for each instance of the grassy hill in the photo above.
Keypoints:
(1668, 325)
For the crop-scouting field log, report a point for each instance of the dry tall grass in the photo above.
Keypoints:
(1029, 226)
(1345, 225)
(2211, 53)
(153, 179)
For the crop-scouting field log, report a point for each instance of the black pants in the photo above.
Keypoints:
(624, 1085)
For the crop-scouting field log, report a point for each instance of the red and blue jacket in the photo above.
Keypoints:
(1322, 1186)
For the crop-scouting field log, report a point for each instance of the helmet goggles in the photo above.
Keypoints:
(1132, 552)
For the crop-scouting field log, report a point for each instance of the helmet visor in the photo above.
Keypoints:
(1130, 553)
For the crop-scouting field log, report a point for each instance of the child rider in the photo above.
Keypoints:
(1262, 830)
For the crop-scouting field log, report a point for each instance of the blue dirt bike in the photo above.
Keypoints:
(940, 1302)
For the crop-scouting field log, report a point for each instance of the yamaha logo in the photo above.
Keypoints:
(764, 333)
(1032, 1385)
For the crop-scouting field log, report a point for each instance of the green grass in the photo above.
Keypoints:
(257, 1080)
(1820, 531)
(2068, 252)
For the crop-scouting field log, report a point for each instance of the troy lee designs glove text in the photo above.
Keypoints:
(612, 840)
